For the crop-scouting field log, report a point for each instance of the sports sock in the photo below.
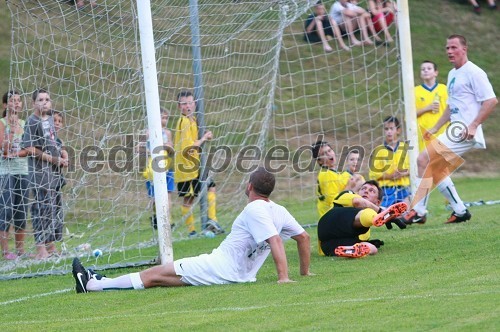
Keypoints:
(128, 281)
(424, 186)
(366, 217)
(186, 213)
(447, 188)
(211, 200)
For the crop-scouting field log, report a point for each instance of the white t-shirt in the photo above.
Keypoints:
(468, 86)
(337, 9)
(242, 253)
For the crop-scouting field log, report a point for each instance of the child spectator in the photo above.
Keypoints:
(44, 162)
(148, 172)
(382, 12)
(430, 101)
(186, 175)
(13, 176)
(353, 165)
(59, 212)
(350, 17)
(390, 165)
(319, 25)
(477, 9)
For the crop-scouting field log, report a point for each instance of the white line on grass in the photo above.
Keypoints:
(25, 298)
(229, 309)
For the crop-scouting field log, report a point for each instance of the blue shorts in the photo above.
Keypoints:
(170, 184)
(394, 195)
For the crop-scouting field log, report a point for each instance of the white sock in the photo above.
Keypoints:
(447, 188)
(128, 281)
(424, 185)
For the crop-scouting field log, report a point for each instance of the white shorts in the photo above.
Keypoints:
(199, 270)
(454, 146)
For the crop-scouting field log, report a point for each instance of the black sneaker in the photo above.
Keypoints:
(214, 226)
(454, 218)
(81, 276)
(91, 274)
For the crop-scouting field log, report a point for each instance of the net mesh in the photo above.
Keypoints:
(268, 95)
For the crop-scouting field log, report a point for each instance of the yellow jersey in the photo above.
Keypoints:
(423, 97)
(386, 160)
(330, 184)
(187, 157)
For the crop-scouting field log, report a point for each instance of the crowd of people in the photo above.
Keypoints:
(346, 18)
(32, 160)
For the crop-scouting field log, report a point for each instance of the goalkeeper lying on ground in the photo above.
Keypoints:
(255, 233)
(345, 229)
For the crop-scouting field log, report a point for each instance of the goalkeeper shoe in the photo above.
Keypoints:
(81, 276)
(412, 217)
(214, 226)
(356, 251)
(393, 211)
(454, 218)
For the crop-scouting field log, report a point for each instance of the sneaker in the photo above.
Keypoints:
(393, 211)
(214, 226)
(81, 276)
(454, 218)
(412, 217)
(192, 234)
(356, 251)
(91, 274)
(476, 10)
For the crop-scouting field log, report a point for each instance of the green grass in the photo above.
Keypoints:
(426, 277)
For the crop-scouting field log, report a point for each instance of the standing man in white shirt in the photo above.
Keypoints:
(471, 100)
(258, 230)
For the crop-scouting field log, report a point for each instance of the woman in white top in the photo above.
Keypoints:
(13, 176)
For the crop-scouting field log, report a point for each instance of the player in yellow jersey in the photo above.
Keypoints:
(187, 161)
(330, 181)
(430, 101)
(390, 165)
(345, 229)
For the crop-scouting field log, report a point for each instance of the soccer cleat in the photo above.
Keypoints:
(214, 226)
(393, 211)
(192, 234)
(356, 251)
(81, 276)
(91, 274)
(454, 218)
(412, 217)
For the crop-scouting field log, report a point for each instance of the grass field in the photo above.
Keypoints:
(430, 277)
(426, 277)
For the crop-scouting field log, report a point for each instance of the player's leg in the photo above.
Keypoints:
(212, 201)
(160, 275)
(186, 192)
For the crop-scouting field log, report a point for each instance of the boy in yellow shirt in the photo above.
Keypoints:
(430, 101)
(390, 164)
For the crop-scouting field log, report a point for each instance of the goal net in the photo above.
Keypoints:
(268, 95)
